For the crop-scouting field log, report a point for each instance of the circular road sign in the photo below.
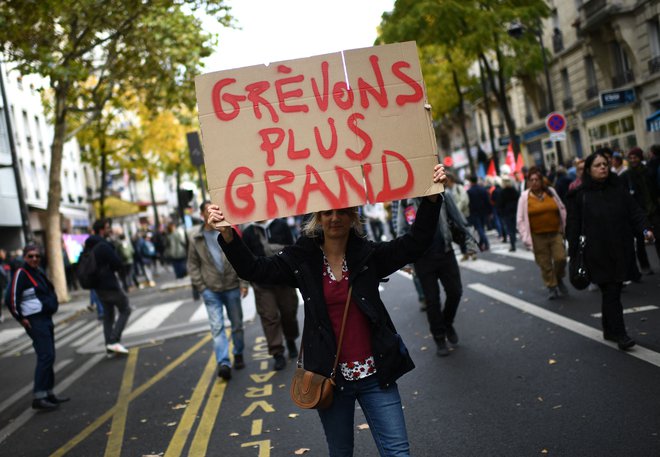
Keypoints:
(555, 122)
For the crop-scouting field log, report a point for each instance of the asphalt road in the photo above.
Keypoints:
(529, 377)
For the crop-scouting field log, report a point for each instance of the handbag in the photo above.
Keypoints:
(311, 390)
(577, 267)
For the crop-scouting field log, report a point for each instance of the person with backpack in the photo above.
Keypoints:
(32, 301)
(104, 262)
(176, 249)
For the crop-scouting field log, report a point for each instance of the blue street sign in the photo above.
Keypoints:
(614, 98)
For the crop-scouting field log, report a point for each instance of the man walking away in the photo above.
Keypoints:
(214, 277)
(107, 287)
(277, 305)
(480, 210)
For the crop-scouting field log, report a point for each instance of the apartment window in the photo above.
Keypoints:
(622, 70)
(566, 84)
(619, 133)
(40, 140)
(592, 82)
(4, 139)
(32, 177)
(654, 44)
(557, 38)
(26, 129)
(17, 138)
(19, 82)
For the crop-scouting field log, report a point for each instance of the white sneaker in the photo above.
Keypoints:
(117, 348)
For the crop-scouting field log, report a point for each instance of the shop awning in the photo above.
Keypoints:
(116, 207)
(653, 122)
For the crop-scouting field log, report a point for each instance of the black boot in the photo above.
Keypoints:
(292, 348)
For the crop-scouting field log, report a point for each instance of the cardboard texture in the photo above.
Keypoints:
(327, 131)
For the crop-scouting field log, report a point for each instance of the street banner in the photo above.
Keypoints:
(317, 133)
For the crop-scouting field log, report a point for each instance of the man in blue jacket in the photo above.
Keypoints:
(32, 301)
(107, 287)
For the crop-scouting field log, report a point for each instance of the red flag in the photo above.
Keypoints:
(491, 168)
(520, 164)
(510, 158)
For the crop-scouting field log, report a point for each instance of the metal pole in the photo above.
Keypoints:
(25, 218)
(551, 98)
(202, 186)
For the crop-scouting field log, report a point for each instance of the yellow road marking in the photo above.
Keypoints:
(263, 445)
(91, 428)
(188, 419)
(116, 439)
(203, 434)
(257, 426)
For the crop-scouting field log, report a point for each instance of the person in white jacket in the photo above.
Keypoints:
(541, 222)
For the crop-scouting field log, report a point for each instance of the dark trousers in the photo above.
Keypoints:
(612, 309)
(42, 332)
(509, 221)
(114, 299)
(429, 269)
(277, 307)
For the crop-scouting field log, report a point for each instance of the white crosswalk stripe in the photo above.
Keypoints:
(154, 317)
(485, 266)
(24, 343)
(200, 314)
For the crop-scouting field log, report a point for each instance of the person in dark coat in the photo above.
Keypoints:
(480, 211)
(326, 264)
(611, 217)
(507, 206)
(32, 301)
(107, 287)
(277, 305)
(640, 184)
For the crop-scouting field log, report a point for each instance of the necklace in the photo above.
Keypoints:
(539, 196)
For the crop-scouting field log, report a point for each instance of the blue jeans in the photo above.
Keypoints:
(214, 302)
(381, 407)
(42, 332)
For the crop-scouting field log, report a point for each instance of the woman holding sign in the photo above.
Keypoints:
(331, 260)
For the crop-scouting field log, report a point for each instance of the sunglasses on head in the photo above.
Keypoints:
(342, 212)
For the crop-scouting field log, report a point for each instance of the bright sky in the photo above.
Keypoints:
(276, 30)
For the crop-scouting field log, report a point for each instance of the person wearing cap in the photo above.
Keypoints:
(32, 301)
(637, 181)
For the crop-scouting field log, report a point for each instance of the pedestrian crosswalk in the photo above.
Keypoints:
(86, 335)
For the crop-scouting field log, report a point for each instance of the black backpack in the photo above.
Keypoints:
(86, 270)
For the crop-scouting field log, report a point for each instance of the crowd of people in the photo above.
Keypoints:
(336, 258)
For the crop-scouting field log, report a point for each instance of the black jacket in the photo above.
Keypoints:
(31, 293)
(611, 217)
(301, 266)
(107, 262)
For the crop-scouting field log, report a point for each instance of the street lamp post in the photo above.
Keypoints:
(25, 219)
(516, 30)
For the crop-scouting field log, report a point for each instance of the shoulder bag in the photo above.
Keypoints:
(311, 390)
(577, 267)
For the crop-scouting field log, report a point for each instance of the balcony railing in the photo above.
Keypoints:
(654, 65)
(568, 103)
(592, 7)
(622, 78)
(592, 92)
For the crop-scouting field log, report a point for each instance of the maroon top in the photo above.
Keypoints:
(357, 333)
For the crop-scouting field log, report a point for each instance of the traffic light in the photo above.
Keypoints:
(185, 197)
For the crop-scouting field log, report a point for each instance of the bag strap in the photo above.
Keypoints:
(341, 337)
(34, 283)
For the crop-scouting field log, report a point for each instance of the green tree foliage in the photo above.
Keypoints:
(476, 30)
(93, 51)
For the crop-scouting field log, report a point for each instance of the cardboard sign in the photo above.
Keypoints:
(311, 134)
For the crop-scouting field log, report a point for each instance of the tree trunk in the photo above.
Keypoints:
(461, 109)
(104, 173)
(53, 222)
(153, 204)
(178, 193)
(500, 94)
(489, 119)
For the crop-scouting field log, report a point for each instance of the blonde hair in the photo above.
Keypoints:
(312, 227)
